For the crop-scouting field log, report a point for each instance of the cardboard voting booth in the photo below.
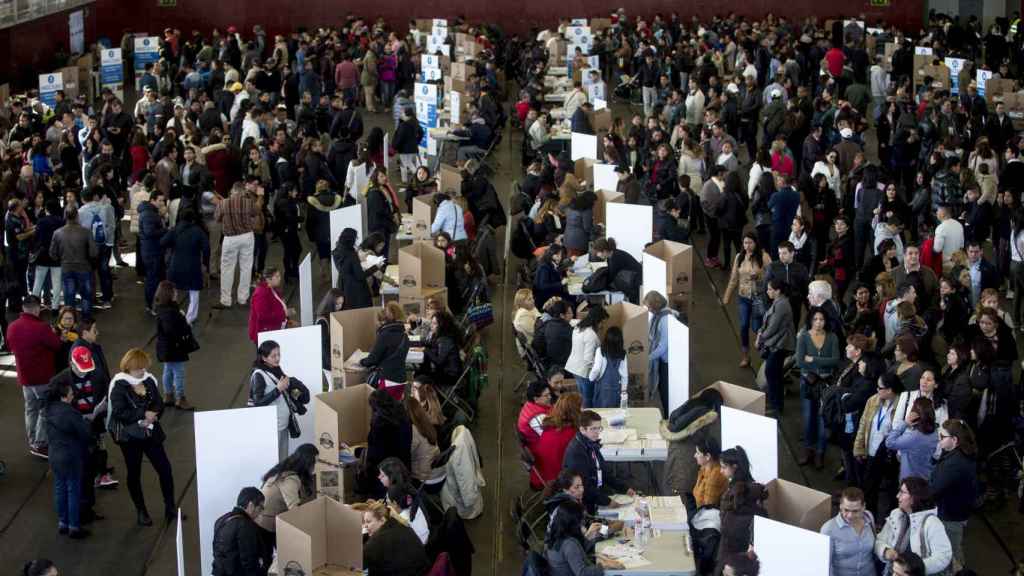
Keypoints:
(584, 170)
(421, 268)
(340, 417)
(797, 505)
(417, 303)
(461, 71)
(350, 330)
(632, 319)
(995, 88)
(423, 211)
(784, 550)
(740, 398)
(228, 459)
(604, 198)
(939, 74)
(353, 217)
(632, 227)
(450, 178)
(758, 435)
(678, 259)
(317, 535)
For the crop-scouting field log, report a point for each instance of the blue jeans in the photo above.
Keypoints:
(174, 379)
(815, 437)
(748, 321)
(67, 494)
(773, 375)
(80, 284)
(586, 390)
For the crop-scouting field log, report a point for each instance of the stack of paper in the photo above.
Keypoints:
(618, 435)
(667, 513)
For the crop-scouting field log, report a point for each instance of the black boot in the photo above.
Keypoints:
(144, 519)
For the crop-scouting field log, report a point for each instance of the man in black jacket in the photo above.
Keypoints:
(553, 339)
(407, 141)
(238, 545)
(583, 455)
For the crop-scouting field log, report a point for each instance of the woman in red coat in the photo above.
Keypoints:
(267, 310)
(560, 426)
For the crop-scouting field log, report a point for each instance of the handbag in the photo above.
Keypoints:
(187, 343)
(481, 315)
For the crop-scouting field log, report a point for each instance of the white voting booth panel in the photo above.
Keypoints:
(306, 289)
(300, 358)
(678, 363)
(785, 550)
(631, 226)
(655, 274)
(179, 543)
(348, 217)
(759, 437)
(583, 146)
(605, 177)
(234, 449)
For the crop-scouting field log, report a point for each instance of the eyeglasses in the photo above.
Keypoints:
(595, 428)
(944, 436)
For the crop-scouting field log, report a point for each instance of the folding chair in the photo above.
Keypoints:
(452, 397)
(526, 534)
(533, 364)
(529, 465)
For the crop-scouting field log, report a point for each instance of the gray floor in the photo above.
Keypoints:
(215, 380)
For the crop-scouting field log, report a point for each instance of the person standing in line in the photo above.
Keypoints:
(45, 265)
(237, 216)
(151, 232)
(75, 249)
(585, 342)
(776, 341)
(34, 345)
(851, 536)
(954, 483)
(98, 218)
(135, 407)
(174, 342)
(190, 251)
(69, 441)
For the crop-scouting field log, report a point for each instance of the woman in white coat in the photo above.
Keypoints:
(914, 525)
(584, 346)
(464, 477)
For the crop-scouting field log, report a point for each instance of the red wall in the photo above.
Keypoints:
(29, 47)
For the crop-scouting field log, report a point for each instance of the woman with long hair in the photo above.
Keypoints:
(549, 281)
(910, 528)
(817, 356)
(915, 439)
(441, 359)
(392, 546)
(585, 341)
(711, 482)
(423, 390)
(383, 213)
(741, 501)
(565, 546)
(609, 375)
(425, 440)
(954, 482)
(390, 435)
(267, 310)
(174, 343)
(268, 385)
(390, 348)
(287, 485)
(748, 271)
(190, 246)
(560, 426)
(351, 277)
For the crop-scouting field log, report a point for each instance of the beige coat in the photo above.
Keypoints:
(282, 493)
(745, 277)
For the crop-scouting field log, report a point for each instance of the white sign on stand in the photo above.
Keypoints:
(341, 218)
(775, 543)
(147, 49)
(955, 65)
(631, 226)
(980, 78)
(759, 437)
(678, 363)
(583, 146)
(306, 289)
(228, 460)
(49, 84)
(430, 61)
(301, 358)
(112, 70)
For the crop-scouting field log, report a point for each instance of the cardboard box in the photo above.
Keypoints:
(632, 319)
(797, 505)
(85, 77)
(603, 198)
(319, 534)
(421, 267)
(740, 398)
(417, 303)
(461, 71)
(350, 330)
(72, 84)
(453, 84)
(679, 259)
(995, 88)
(339, 417)
(938, 72)
(449, 178)
(584, 170)
(424, 25)
(600, 24)
(423, 210)
(601, 121)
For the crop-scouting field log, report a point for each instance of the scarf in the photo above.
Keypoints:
(798, 242)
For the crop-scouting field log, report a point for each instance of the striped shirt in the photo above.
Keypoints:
(237, 214)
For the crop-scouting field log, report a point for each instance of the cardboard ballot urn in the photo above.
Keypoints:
(350, 330)
(797, 505)
(319, 537)
(417, 303)
(740, 398)
(632, 319)
(423, 210)
(678, 259)
(421, 269)
(604, 197)
(339, 417)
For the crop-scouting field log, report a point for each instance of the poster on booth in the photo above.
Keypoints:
(426, 114)
(49, 84)
(437, 44)
(455, 100)
(980, 78)
(147, 49)
(112, 71)
(955, 65)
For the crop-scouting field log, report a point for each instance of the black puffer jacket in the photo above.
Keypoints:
(238, 546)
(686, 426)
(389, 352)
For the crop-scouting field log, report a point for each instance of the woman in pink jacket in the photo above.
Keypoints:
(267, 310)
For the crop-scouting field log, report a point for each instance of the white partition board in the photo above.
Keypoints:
(655, 275)
(301, 357)
(759, 437)
(306, 289)
(583, 146)
(234, 449)
(605, 177)
(179, 543)
(348, 217)
(776, 545)
(678, 363)
(631, 225)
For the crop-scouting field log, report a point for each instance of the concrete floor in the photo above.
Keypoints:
(215, 380)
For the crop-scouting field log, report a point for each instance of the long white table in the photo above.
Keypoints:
(669, 554)
(649, 446)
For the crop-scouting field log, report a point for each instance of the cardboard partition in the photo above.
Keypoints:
(350, 330)
(423, 210)
(601, 120)
(449, 178)
(632, 319)
(318, 534)
(938, 72)
(340, 417)
(775, 544)
(584, 170)
(421, 268)
(453, 84)
(740, 398)
(997, 87)
(679, 260)
(798, 505)
(306, 289)
(72, 82)
(417, 303)
(678, 363)
(460, 71)
(85, 67)
(605, 197)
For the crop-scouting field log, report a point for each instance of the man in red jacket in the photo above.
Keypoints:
(35, 345)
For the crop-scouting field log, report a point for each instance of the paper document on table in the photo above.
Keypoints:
(634, 562)
(656, 444)
(623, 499)
(630, 448)
(617, 435)
(357, 355)
(618, 551)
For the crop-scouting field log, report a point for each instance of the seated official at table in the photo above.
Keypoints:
(568, 487)
(565, 545)
(584, 455)
(539, 399)
(441, 356)
(540, 135)
(553, 338)
(560, 426)
(479, 138)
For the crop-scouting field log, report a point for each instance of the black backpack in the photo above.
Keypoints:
(522, 244)
(832, 408)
